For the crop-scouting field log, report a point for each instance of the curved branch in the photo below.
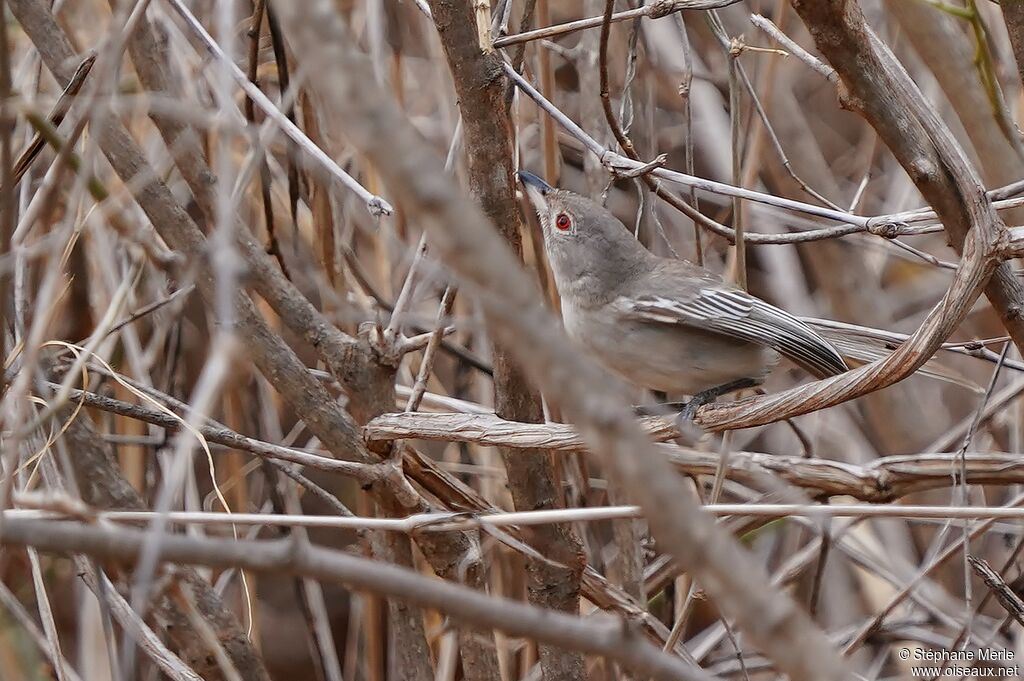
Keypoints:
(490, 272)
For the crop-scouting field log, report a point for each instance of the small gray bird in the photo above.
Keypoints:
(663, 324)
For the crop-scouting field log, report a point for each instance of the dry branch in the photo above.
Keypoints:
(655, 10)
(354, 363)
(606, 636)
(455, 496)
(375, 204)
(309, 266)
(1013, 17)
(1006, 596)
(877, 87)
(490, 272)
(102, 485)
(883, 480)
(971, 209)
(532, 477)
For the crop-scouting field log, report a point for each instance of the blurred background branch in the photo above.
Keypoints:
(366, 438)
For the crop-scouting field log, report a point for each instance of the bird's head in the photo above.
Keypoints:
(581, 237)
(565, 215)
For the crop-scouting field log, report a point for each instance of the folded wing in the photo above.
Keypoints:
(738, 315)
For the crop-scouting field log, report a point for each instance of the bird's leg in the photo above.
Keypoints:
(686, 416)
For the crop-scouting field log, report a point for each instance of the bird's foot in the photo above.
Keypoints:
(686, 421)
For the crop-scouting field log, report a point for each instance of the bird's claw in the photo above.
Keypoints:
(686, 423)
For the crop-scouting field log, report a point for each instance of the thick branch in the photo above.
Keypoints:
(945, 47)
(354, 363)
(883, 480)
(878, 88)
(102, 485)
(351, 360)
(373, 123)
(1013, 17)
(533, 479)
(607, 636)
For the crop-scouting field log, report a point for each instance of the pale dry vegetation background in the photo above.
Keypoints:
(254, 261)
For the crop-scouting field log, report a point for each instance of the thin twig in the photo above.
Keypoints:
(654, 10)
(375, 204)
(56, 115)
(451, 521)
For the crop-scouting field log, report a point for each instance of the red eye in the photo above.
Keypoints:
(562, 221)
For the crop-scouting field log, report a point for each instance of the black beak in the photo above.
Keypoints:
(531, 180)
